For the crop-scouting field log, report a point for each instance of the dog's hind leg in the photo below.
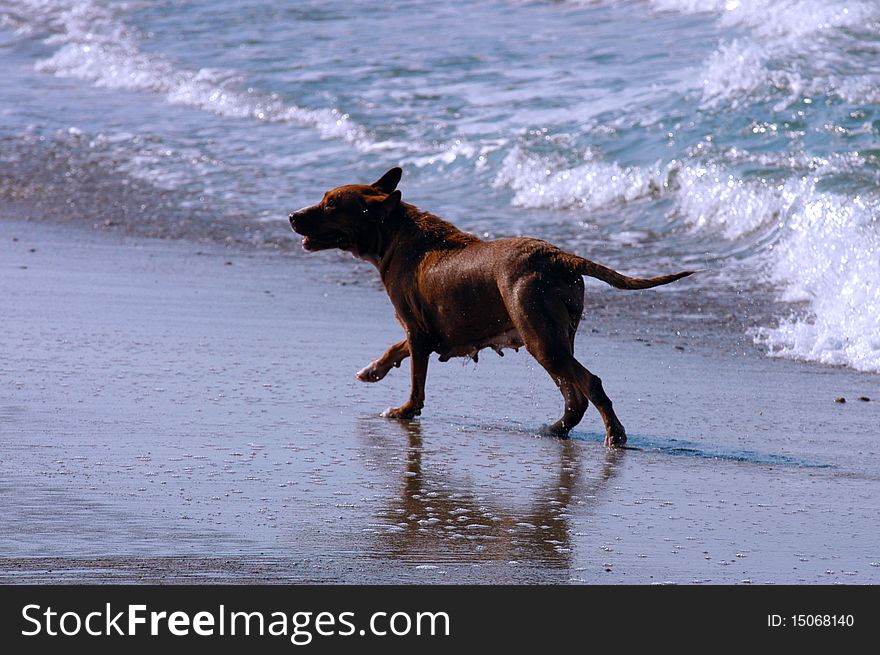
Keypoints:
(542, 317)
(392, 357)
(591, 386)
(560, 364)
(576, 403)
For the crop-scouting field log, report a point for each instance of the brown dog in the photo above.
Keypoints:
(456, 294)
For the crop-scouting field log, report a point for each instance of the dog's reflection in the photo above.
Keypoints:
(436, 520)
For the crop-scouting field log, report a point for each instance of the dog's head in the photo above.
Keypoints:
(354, 217)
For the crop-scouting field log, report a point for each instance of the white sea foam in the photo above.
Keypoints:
(445, 155)
(745, 69)
(825, 253)
(825, 250)
(710, 197)
(796, 48)
(94, 45)
(545, 181)
(821, 248)
(781, 17)
(796, 18)
(706, 196)
(108, 65)
(737, 70)
(829, 257)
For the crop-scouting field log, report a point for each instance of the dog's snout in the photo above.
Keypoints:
(296, 217)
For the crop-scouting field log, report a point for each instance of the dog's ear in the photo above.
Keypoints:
(388, 182)
(391, 202)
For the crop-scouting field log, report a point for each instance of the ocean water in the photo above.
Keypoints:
(741, 137)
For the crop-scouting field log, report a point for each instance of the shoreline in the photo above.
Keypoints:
(177, 411)
(715, 315)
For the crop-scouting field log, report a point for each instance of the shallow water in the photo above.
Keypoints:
(737, 136)
(174, 412)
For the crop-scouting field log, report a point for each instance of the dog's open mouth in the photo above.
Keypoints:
(312, 244)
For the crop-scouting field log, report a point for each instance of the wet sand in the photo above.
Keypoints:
(177, 412)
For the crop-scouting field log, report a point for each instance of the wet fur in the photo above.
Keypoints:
(455, 294)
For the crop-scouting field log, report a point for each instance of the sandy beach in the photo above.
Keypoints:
(179, 412)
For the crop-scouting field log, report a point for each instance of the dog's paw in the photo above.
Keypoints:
(615, 438)
(556, 430)
(370, 373)
(405, 412)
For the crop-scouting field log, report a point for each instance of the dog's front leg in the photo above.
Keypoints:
(420, 353)
(391, 359)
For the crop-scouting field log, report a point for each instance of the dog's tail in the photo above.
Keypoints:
(586, 267)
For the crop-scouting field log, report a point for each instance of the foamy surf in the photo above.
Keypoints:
(821, 250)
(94, 45)
(98, 47)
(788, 50)
(823, 253)
(594, 184)
(829, 258)
(817, 247)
